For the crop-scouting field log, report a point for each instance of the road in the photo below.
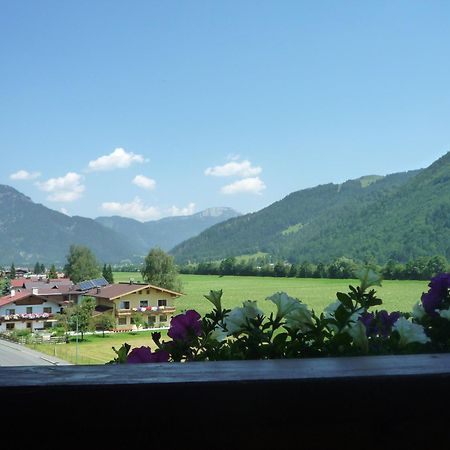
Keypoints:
(12, 354)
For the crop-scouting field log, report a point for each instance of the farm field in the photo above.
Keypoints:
(316, 293)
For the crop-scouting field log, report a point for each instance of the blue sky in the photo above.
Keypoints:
(148, 109)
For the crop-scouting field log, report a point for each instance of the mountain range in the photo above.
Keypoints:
(373, 218)
(31, 232)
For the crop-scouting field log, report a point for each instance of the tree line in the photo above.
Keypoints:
(421, 268)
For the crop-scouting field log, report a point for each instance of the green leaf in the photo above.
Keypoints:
(345, 300)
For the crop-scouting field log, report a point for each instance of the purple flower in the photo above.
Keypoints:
(386, 321)
(438, 292)
(144, 355)
(381, 323)
(368, 321)
(185, 325)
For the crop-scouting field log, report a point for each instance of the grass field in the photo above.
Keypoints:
(316, 293)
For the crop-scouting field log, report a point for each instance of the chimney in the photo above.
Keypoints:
(98, 290)
(35, 291)
(13, 293)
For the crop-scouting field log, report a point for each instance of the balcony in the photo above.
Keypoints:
(25, 316)
(155, 310)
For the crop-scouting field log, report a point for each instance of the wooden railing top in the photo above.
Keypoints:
(289, 370)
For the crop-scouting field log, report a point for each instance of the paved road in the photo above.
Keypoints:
(12, 354)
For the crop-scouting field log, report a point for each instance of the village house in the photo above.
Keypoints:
(28, 309)
(156, 304)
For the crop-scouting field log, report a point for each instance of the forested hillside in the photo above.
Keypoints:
(400, 216)
(30, 232)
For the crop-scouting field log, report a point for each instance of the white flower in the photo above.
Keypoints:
(368, 278)
(358, 332)
(237, 318)
(299, 319)
(418, 311)
(410, 332)
(445, 313)
(219, 334)
(285, 304)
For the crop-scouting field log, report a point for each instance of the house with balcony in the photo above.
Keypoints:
(28, 309)
(125, 300)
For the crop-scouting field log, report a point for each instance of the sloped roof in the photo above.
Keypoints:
(113, 291)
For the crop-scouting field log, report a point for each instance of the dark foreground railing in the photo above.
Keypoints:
(330, 403)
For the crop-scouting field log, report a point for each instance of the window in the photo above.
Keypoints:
(48, 309)
(10, 312)
(122, 321)
(151, 320)
(10, 326)
(29, 310)
(163, 318)
(29, 324)
(148, 291)
(140, 292)
(47, 324)
(162, 302)
(125, 305)
(143, 303)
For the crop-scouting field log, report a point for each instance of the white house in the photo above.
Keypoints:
(26, 309)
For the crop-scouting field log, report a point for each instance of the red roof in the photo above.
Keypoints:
(10, 299)
(18, 282)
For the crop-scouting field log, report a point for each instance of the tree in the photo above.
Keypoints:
(52, 274)
(42, 269)
(159, 269)
(37, 269)
(5, 286)
(81, 264)
(12, 272)
(79, 317)
(108, 274)
(105, 322)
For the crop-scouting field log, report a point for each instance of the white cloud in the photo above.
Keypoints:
(144, 182)
(247, 185)
(135, 210)
(118, 159)
(64, 211)
(234, 168)
(187, 211)
(24, 175)
(63, 189)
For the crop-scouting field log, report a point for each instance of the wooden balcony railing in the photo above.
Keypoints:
(379, 402)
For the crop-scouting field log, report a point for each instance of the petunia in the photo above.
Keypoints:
(144, 354)
(238, 318)
(299, 318)
(184, 325)
(445, 313)
(359, 335)
(439, 291)
(410, 332)
(284, 303)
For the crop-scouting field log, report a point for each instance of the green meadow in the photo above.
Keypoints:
(316, 293)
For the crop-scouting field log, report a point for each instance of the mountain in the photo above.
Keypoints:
(398, 216)
(30, 232)
(169, 231)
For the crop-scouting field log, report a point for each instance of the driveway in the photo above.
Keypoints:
(12, 354)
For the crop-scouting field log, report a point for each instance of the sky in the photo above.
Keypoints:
(148, 109)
